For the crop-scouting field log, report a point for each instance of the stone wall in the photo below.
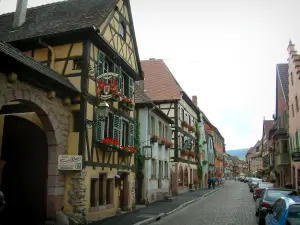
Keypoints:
(55, 118)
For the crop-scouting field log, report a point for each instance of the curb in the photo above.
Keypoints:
(162, 215)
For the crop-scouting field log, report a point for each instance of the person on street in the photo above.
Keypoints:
(209, 182)
(213, 181)
(219, 181)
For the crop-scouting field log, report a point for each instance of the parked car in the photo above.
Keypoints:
(286, 211)
(258, 188)
(254, 182)
(246, 180)
(267, 199)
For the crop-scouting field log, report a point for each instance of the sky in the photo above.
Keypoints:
(225, 52)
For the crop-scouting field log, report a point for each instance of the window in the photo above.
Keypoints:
(293, 112)
(109, 126)
(166, 132)
(160, 127)
(105, 67)
(297, 105)
(94, 193)
(190, 121)
(152, 125)
(77, 64)
(76, 121)
(292, 79)
(125, 133)
(109, 191)
(284, 146)
(101, 189)
(166, 169)
(122, 30)
(153, 169)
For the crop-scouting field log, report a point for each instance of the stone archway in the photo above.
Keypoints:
(55, 119)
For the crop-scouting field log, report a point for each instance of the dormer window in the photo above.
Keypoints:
(122, 30)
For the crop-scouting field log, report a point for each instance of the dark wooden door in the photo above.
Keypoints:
(24, 177)
(122, 191)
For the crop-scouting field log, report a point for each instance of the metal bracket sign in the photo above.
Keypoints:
(70, 162)
(188, 144)
(296, 156)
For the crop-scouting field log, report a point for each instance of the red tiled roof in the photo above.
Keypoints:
(159, 82)
(268, 124)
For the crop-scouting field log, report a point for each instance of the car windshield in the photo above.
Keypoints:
(273, 195)
(294, 214)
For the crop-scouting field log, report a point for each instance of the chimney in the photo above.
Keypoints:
(20, 14)
(195, 100)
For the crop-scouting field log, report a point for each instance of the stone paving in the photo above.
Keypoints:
(152, 209)
(232, 205)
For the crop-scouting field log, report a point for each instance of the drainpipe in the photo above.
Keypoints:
(51, 50)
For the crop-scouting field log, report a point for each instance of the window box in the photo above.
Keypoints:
(154, 138)
(168, 144)
(162, 142)
(127, 103)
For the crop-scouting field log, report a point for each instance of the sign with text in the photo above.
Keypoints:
(296, 156)
(70, 162)
(188, 144)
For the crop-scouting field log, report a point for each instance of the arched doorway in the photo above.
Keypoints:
(24, 175)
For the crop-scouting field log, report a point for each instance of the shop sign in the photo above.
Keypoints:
(188, 144)
(70, 162)
(296, 156)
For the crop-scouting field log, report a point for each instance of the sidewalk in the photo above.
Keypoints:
(153, 209)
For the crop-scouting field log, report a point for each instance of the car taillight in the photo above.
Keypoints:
(263, 204)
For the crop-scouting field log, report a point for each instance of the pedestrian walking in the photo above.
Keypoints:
(209, 182)
(219, 181)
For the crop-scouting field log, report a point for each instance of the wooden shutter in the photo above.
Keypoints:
(101, 59)
(99, 128)
(117, 127)
(131, 134)
(130, 83)
(120, 79)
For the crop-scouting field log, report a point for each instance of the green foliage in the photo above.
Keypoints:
(215, 152)
(199, 170)
(139, 157)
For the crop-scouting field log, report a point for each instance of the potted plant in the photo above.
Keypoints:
(154, 138)
(192, 129)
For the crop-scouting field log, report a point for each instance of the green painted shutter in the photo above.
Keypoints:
(157, 168)
(150, 124)
(99, 131)
(163, 169)
(131, 134)
(156, 127)
(101, 58)
(130, 93)
(120, 79)
(117, 127)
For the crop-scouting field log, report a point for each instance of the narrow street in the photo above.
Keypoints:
(232, 205)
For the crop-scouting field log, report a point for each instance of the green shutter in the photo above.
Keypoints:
(157, 168)
(99, 130)
(163, 169)
(131, 134)
(156, 127)
(117, 70)
(101, 58)
(117, 127)
(130, 93)
(150, 124)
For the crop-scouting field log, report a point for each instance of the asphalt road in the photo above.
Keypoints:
(232, 205)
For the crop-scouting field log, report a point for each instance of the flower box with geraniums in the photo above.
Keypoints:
(168, 144)
(162, 141)
(184, 124)
(127, 150)
(154, 138)
(127, 103)
(110, 144)
(192, 129)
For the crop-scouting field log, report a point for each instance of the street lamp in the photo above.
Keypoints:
(103, 110)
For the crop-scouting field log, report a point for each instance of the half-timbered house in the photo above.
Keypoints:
(163, 89)
(92, 43)
(155, 143)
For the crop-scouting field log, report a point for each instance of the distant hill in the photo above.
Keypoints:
(240, 153)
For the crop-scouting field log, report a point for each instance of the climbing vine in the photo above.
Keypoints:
(199, 165)
(139, 157)
(199, 170)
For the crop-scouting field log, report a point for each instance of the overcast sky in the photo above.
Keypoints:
(225, 52)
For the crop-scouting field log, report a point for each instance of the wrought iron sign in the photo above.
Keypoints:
(187, 144)
(147, 152)
(107, 86)
(296, 156)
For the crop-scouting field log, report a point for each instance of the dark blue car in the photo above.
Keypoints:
(285, 211)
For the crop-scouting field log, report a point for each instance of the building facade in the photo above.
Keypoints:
(100, 58)
(155, 143)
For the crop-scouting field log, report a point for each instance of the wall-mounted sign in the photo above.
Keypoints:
(188, 144)
(296, 156)
(107, 85)
(70, 162)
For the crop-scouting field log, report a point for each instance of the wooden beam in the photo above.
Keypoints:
(67, 60)
(169, 109)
